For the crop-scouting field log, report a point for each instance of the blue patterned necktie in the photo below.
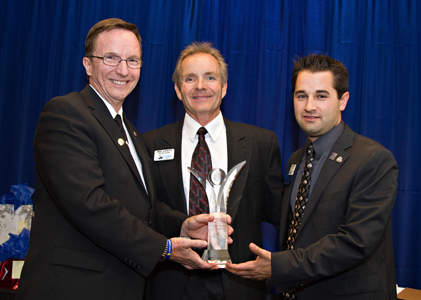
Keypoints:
(201, 161)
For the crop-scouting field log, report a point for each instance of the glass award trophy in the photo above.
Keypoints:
(217, 183)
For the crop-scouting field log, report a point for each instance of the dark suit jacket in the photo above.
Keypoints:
(91, 236)
(255, 196)
(344, 248)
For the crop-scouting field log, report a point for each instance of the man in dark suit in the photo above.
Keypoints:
(336, 235)
(92, 236)
(200, 83)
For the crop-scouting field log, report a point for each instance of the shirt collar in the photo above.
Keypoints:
(326, 141)
(214, 128)
(109, 106)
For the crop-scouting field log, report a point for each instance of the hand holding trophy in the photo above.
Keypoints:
(220, 183)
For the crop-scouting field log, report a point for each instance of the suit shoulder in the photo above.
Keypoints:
(151, 136)
(295, 156)
(249, 128)
(368, 145)
(67, 98)
(158, 131)
(66, 104)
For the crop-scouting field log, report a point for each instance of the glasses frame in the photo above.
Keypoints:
(127, 63)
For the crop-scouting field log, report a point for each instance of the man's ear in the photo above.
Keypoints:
(344, 101)
(224, 89)
(178, 92)
(87, 63)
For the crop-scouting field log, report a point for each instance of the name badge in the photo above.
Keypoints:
(165, 154)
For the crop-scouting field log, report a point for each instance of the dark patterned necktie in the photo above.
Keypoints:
(117, 119)
(300, 205)
(201, 161)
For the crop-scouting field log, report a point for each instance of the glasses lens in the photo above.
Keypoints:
(134, 63)
(112, 60)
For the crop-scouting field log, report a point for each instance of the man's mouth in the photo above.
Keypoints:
(119, 82)
(201, 97)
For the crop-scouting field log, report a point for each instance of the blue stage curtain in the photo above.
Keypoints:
(42, 45)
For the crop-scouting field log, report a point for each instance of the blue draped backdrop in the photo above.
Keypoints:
(42, 45)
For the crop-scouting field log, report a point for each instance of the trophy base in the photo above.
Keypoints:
(219, 257)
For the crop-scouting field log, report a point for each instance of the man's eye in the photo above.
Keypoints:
(189, 79)
(134, 61)
(211, 78)
(111, 57)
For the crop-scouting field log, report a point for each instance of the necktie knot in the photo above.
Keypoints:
(201, 132)
(117, 119)
(310, 151)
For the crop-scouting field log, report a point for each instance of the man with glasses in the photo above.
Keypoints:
(92, 235)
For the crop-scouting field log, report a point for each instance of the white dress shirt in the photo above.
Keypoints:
(216, 138)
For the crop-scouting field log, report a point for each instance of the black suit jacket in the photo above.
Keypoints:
(255, 196)
(91, 236)
(344, 248)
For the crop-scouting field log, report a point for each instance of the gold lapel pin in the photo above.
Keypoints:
(339, 159)
(333, 156)
(121, 142)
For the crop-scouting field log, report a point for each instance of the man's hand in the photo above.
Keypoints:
(184, 255)
(197, 227)
(259, 269)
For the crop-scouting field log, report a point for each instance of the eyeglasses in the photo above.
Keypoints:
(114, 61)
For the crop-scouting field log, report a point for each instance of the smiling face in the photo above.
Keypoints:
(316, 104)
(114, 83)
(201, 89)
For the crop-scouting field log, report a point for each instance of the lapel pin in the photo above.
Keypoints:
(333, 156)
(288, 178)
(339, 159)
(121, 142)
(134, 133)
(292, 169)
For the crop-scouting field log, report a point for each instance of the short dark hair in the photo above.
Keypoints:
(319, 63)
(203, 47)
(107, 25)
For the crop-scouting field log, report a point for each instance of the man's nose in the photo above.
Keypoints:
(122, 68)
(310, 105)
(200, 84)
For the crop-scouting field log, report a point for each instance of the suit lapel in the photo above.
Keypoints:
(102, 114)
(328, 171)
(143, 155)
(286, 204)
(239, 149)
(170, 170)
